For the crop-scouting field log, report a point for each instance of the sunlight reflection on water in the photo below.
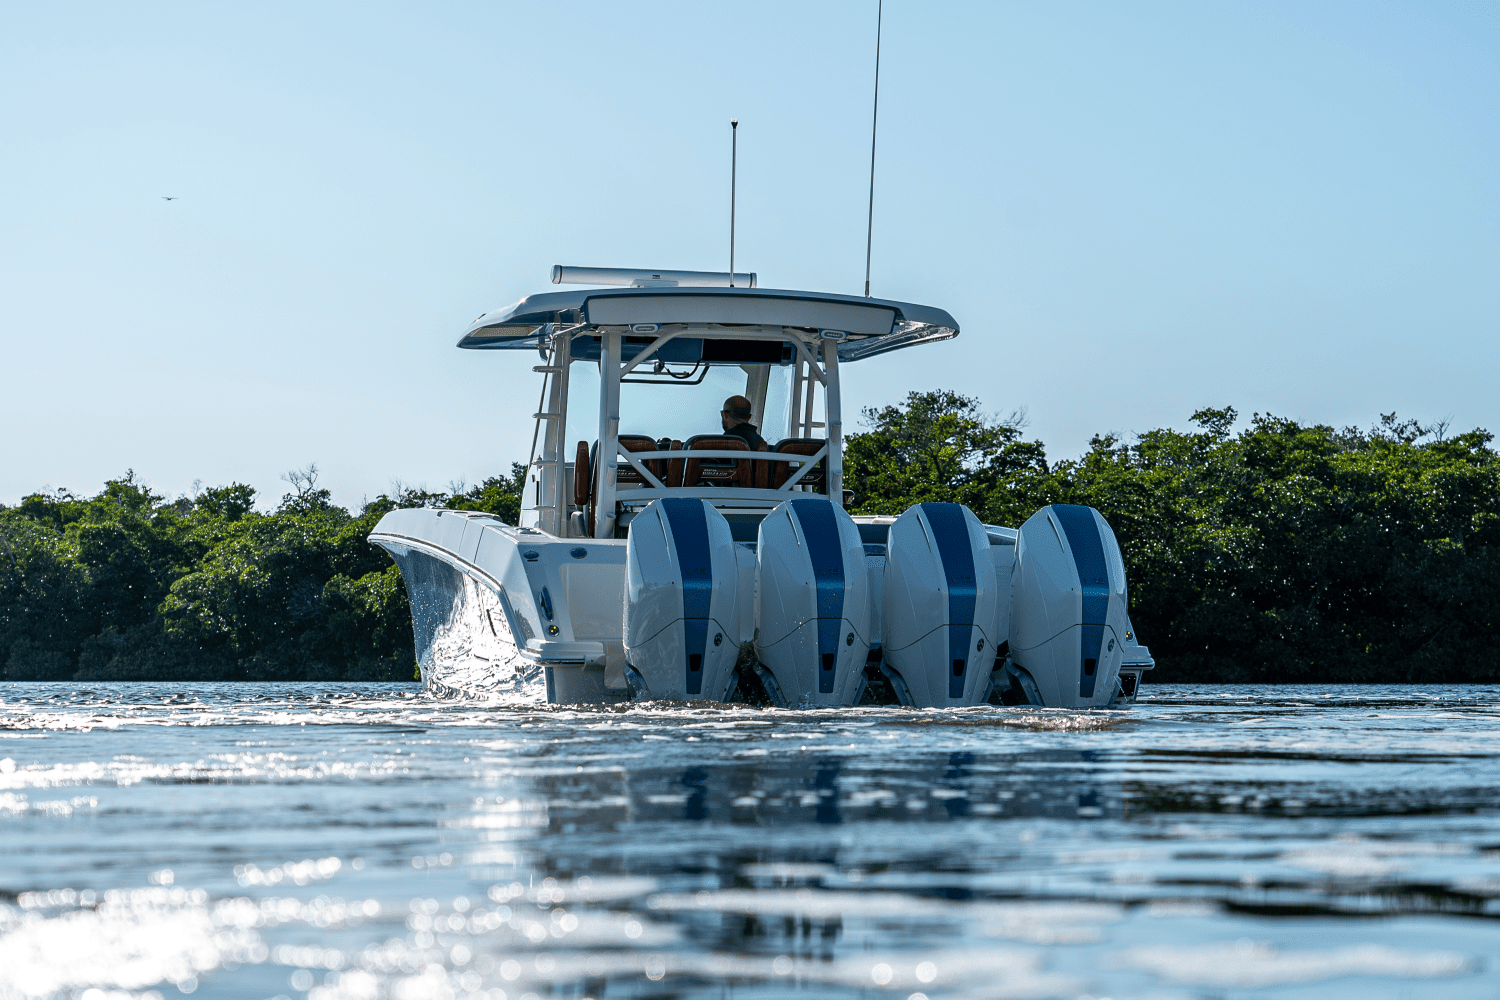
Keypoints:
(364, 841)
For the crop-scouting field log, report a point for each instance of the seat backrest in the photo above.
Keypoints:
(658, 466)
(716, 471)
(627, 475)
(674, 465)
(585, 469)
(762, 473)
(583, 475)
(816, 479)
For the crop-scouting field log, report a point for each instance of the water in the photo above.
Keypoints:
(337, 840)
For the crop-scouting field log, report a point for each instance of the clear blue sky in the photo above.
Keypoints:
(1134, 210)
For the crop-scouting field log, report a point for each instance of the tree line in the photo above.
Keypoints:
(1284, 552)
(128, 585)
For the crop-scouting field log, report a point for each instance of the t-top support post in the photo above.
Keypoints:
(609, 436)
(562, 345)
(833, 420)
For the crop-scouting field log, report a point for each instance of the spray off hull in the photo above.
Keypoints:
(498, 609)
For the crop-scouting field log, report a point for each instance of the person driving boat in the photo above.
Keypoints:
(736, 420)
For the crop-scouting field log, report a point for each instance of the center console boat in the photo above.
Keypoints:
(659, 558)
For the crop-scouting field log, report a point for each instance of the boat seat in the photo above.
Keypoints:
(816, 479)
(583, 475)
(762, 472)
(712, 471)
(625, 476)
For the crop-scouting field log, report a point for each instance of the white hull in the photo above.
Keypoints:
(500, 610)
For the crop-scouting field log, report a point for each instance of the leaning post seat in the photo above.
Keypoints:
(715, 471)
(816, 479)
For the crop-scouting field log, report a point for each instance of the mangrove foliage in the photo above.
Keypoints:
(1281, 552)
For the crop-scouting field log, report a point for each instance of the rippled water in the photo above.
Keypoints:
(367, 841)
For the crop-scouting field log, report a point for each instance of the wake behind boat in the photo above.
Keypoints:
(688, 557)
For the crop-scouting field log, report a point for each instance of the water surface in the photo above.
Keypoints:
(364, 840)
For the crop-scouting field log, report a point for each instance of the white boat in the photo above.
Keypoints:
(659, 557)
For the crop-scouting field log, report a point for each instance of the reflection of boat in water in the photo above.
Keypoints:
(663, 562)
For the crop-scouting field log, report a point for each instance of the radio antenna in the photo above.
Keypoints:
(734, 156)
(874, 120)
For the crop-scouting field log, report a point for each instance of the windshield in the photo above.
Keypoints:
(679, 411)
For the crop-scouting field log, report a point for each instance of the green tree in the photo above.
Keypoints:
(1286, 552)
(128, 585)
(1281, 552)
(939, 446)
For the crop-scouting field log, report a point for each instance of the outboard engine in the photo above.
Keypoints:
(681, 625)
(812, 604)
(942, 607)
(1068, 618)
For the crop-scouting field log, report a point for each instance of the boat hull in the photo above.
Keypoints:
(514, 612)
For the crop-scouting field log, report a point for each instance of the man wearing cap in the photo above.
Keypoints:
(736, 417)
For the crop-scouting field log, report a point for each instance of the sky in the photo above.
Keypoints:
(1133, 211)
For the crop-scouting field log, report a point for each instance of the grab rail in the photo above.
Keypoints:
(808, 461)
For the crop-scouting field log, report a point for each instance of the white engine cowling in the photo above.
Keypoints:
(680, 607)
(1068, 616)
(942, 606)
(812, 604)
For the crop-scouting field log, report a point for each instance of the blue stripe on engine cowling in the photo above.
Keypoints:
(1088, 557)
(826, 553)
(690, 539)
(951, 532)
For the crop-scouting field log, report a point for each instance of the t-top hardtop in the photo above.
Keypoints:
(670, 328)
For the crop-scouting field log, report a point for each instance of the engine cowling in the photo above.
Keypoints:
(812, 604)
(942, 606)
(1068, 617)
(680, 607)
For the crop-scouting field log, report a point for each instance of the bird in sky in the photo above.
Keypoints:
(169, 197)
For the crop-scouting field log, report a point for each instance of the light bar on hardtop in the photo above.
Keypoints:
(633, 278)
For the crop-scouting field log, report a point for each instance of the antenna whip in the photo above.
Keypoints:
(874, 120)
(734, 156)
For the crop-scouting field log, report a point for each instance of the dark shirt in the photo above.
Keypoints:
(747, 433)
